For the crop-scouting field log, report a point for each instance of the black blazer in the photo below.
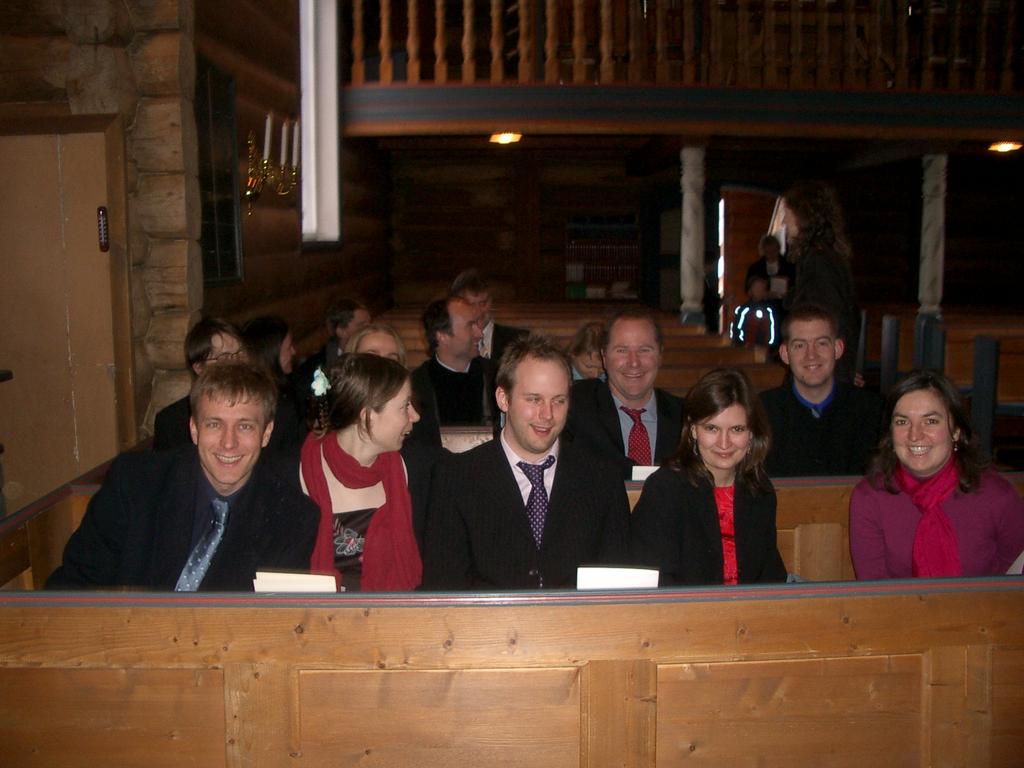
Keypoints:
(420, 462)
(840, 442)
(137, 530)
(427, 431)
(478, 535)
(501, 337)
(170, 427)
(594, 422)
(674, 528)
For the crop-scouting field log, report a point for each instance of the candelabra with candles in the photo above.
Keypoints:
(262, 173)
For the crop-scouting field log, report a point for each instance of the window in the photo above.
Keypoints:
(220, 241)
(321, 118)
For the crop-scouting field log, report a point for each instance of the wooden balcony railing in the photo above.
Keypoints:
(873, 45)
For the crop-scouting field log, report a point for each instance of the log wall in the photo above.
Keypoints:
(280, 277)
(135, 60)
(928, 673)
(504, 211)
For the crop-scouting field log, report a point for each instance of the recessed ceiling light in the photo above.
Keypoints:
(1004, 146)
(505, 138)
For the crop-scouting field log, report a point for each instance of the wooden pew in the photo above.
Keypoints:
(960, 356)
(32, 539)
(679, 378)
(901, 673)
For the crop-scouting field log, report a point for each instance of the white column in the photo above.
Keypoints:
(691, 250)
(933, 234)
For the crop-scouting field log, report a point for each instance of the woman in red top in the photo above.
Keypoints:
(708, 515)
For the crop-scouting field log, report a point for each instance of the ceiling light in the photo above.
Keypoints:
(505, 138)
(1004, 146)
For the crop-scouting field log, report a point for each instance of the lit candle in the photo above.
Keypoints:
(295, 145)
(284, 143)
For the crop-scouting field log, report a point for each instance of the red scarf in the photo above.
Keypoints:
(391, 559)
(935, 552)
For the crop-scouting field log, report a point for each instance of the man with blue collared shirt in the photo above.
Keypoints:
(820, 426)
(626, 419)
(526, 509)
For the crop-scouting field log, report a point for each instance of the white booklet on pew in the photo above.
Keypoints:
(602, 577)
(641, 473)
(1018, 566)
(286, 581)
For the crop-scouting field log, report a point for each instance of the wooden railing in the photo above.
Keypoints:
(877, 45)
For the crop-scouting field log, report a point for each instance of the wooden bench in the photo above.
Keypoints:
(901, 673)
(960, 357)
(678, 379)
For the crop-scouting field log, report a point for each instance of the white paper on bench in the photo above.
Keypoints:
(600, 577)
(283, 581)
(641, 473)
(1018, 565)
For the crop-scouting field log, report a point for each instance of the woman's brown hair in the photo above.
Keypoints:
(716, 391)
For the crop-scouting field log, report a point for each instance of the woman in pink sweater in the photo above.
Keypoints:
(928, 506)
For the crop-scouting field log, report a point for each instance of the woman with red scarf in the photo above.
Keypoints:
(707, 516)
(928, 506)
(353, 470)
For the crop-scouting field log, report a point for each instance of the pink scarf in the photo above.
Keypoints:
(391, 559)
(935, 550)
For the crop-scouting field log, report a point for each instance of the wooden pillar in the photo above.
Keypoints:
(933, 234)
(607, 62)
(660, 45)
(358, 66)
(440, 60)
(412, 44)
(690, 55)
(579, 42)
(386, 65)
(551, 42)
(525, 43)
(497, 43)
(691, 246)
(468, 44)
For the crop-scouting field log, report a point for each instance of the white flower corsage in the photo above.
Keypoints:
(320, 383)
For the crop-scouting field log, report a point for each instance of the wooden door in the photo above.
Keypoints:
(57, 415)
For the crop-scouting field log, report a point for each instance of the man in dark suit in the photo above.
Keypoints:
(455, 385)
(206, 516)
(344, 318)
(471, 286)
(626, 419)
(524, 510)
(820, 425)
(211, 340)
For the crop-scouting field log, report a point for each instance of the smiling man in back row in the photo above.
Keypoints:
(626, 419)
(820, 426)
